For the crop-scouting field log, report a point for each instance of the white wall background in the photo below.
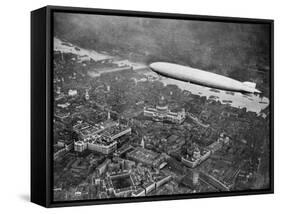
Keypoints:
(15, 106)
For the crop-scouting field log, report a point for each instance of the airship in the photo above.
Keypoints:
(203, 78)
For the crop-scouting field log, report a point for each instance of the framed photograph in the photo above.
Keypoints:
(141, 106)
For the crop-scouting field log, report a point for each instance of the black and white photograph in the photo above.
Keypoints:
(148, 107)
(120, 107)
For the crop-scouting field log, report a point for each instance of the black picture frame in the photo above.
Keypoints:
(42, 108)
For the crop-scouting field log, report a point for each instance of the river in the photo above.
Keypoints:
(251, 102)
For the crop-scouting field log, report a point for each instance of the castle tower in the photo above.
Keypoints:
(142, 143)
(87, 96)
(108, 115)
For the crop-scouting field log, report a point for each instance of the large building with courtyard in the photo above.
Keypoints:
(101, 137)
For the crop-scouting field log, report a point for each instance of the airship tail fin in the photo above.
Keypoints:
(250, 84)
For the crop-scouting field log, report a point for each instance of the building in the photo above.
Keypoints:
(159, 182)
(189, 182)
(72, 92)
(87, 96)
(108, 115)
(195, 177)
(162, 113)
(173, 144)
(119, 163)
(80, 146)
(103, 167)
(149, 187)
(129, 164)
(59, 152)
(97, 181)
(142, 143)
(116, 132)
(61, 143)
(68, 145)
(85, 130)
(101, 137)
(219, 143)
(121, 183)
(146, 157)
(80, 167)
(102, 145)
(62, 115)
(123, 150)
(197, 157)
(139, 192)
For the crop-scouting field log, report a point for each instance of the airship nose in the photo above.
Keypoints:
(154, 66)
(160, 68)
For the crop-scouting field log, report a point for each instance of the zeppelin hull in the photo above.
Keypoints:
(201, 77)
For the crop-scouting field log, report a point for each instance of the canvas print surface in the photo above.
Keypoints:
(152, 107)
